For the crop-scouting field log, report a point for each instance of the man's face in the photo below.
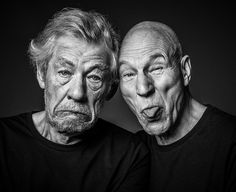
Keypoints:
(75, 85)
(150, 84)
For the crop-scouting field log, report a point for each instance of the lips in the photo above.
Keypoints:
(64, 113)
(152, 113)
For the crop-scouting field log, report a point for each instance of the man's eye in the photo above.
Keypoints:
(64, 73)
(94, 78)
(156, 70)
(127, 76)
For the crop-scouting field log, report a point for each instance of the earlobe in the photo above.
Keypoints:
(40, 77)
(186, 69)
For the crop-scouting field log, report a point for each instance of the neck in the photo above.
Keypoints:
(189, 116)
(50, 133)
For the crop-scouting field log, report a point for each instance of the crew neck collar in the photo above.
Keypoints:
(57, 146)
(199, 125)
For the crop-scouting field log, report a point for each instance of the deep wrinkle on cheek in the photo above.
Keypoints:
(96, 100)
(56, 100)
(129, 96)
(170, 94)
(55, 92)
(174, 100)
(132, 103)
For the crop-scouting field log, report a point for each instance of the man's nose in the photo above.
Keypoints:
(77, 89)
(144, 86)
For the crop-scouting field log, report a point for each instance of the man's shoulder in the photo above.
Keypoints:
(221, 118)
(220, 123)
(118, 134)
(15, 122)
(14, 118)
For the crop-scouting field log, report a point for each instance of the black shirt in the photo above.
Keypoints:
(107, 159)
(203, 160)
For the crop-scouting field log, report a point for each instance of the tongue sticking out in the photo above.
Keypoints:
(151, 113)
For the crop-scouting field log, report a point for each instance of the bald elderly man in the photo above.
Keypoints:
(193, 146)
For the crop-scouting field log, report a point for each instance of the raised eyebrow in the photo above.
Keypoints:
(152, 58)
(124, 63)
(99, 66)
(127, 65)
(155, 56)
(65, 62)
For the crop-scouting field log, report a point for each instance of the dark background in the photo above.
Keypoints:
(206, 31)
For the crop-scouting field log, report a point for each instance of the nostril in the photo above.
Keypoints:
(69, 97)
(82, 99)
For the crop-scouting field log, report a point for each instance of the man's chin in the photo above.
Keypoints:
(155, 128)
(71, 125)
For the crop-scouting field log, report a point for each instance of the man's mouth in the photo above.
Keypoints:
(64, 113)
(152, 113)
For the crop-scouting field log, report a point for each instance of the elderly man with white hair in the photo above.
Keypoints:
(66, 147)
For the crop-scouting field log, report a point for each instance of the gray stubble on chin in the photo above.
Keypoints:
(69, 125)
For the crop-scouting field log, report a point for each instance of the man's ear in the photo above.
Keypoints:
(114, 82)
(186, 69)
(112, 90)
(40, 77)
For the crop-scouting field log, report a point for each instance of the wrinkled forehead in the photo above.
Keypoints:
(144, 40)
(76, 49)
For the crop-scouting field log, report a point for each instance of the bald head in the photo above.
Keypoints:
(155, 32)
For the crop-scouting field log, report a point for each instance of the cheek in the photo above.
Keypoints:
(127, 90)
(174, 99)
(96, 98)
(170, 89)
(50, 91)
(129, 94)
(169, 84)
(54, 94)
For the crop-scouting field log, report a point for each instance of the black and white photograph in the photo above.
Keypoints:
(118, 96)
